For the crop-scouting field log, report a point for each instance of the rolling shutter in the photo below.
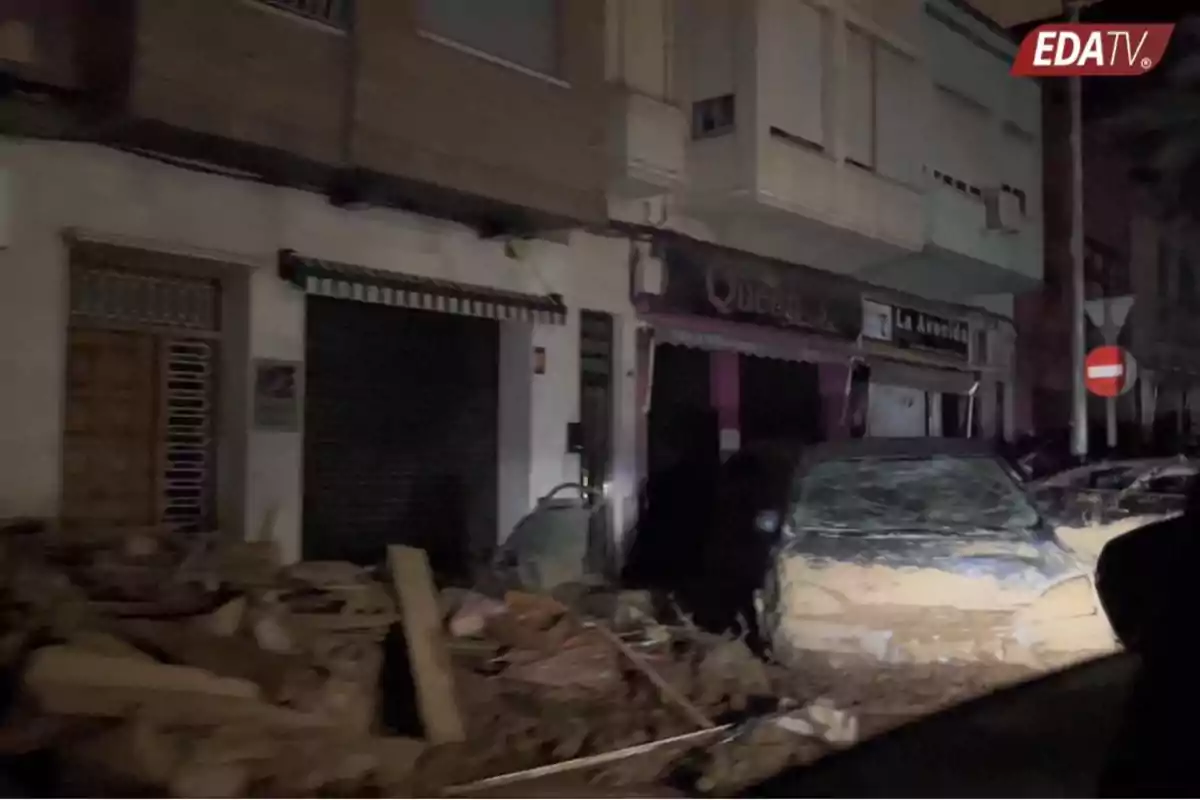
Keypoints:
(400, 439)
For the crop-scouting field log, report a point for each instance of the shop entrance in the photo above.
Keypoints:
(683, 460)
(400, 433)
(780, 401)
(682, 421)
(900, 411)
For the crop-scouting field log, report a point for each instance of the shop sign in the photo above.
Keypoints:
(878, 321)
(718, 284)
(917, 330)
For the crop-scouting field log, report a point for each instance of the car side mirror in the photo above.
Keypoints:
(1145, 584)
(767, 522)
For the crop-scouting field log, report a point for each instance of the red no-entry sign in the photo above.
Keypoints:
(1106, 372)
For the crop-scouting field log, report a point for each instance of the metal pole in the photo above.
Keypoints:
(1111, 332)
(1079, 416)
(1110, 422)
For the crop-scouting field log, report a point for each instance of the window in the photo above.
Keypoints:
(330, 12)
(713, 117)
(900, 135)
(792, 52)
(860, 99)
(963, 139)
(520, 32)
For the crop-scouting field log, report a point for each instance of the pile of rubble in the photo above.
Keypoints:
(201, 667)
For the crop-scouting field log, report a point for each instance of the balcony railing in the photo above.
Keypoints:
(335, 13)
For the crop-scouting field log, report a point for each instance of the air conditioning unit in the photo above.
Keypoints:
(1003, 211)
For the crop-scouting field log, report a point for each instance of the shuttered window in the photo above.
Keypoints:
(899, 116)
(860, 99)
(963, 136)
(521, 32)
(792, 53)
(710, 29)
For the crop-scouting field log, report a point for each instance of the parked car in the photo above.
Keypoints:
(1108, 727)
(922, 550)
(1047, 453)
(1109, 491)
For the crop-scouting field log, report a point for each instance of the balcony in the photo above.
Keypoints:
(982, 174)
(1003, 245)
(970, 252)
(798, 179)
(648, 155)
(791, 156)
(785, 199)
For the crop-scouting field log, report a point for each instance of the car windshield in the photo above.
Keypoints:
(944, 494)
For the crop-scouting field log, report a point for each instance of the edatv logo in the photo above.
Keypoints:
(1066, 49)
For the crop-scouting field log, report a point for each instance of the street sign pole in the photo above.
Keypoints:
(1109, 315)
(1079, 406)
(1111, 330)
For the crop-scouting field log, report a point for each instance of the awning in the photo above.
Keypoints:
(928, 379)
(352, 282)
(704, 333)
(929, 372)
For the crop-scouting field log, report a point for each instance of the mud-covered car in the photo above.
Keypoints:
(919, 551)
(1110, 491)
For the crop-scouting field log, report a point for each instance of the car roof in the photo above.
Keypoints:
(899, 447)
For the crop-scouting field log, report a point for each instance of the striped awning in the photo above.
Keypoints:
(367, 285)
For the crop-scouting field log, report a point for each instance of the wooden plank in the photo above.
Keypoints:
(668, 692)
(74, 682)
(228, 656)
(582, 763)
(428, 657)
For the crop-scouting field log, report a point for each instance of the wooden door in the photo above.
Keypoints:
(111, 441)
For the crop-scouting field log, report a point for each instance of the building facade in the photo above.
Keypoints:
(856, 183)
(310, 270)
(344, 273)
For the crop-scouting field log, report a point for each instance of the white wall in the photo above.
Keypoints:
(144, 203)
(895, 411)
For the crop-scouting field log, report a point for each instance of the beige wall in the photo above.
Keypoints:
(385, 98)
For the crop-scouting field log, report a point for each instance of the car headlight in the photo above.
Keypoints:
(1072, 598)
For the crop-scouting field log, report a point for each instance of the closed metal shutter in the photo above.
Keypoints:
(400, 432)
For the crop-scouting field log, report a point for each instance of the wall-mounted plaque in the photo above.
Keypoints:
(277, 395)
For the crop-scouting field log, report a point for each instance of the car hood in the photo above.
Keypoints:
(971, 573)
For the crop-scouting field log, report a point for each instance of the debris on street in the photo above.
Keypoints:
(200, 667)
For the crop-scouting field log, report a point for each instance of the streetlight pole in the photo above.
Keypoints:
(1079, 404)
